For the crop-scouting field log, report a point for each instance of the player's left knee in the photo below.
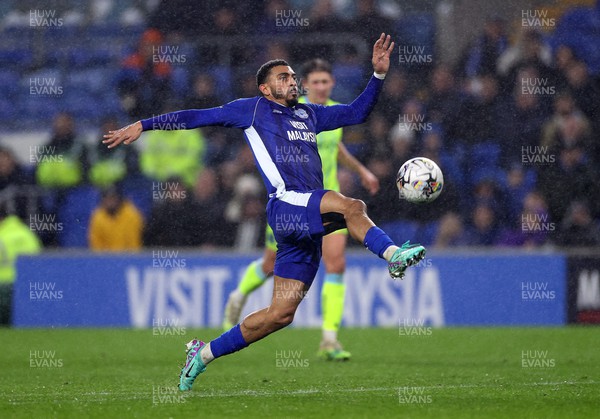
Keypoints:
(355, 207)
(282, 317)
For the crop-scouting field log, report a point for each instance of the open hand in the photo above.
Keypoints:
(125, 135)
(381, 54)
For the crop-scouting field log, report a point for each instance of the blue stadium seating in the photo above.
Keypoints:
(93, 80)
(484, 163)
(402, 230)
(113, 31)
(427, 233)
(180, 82)
(9, 94)
(9, 83)
(16, 57)
(139, 190)
(579, 28)
(39, 108)
(417, 30)
(7, 110)
(223, 80)
(350, 81)
(75, 213)
(486, 153)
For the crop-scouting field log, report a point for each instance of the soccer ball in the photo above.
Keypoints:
(420, 180)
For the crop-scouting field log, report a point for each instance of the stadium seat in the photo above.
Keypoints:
(75, 213)
(9, 89)
(40, 108)
(92, 80)
(7, 109)
(9, 83)
(492, 173)
(486, 154)
(222, 76)
(138, 189)
(579, 28)
(180, 82)
(83, 108)
(16, 57)
(427, 233)
(417, 30)
(350, 81)
(86, 57)
(111, 104)
(402, 230)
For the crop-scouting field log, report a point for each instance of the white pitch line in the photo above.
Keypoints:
(107, 396)
(376, 389)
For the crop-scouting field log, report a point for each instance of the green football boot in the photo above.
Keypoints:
(193, 365)
(405, 256)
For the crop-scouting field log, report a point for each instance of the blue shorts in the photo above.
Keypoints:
(298, 228)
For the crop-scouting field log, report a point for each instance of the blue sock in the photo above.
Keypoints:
(377, 241)
(229, 342)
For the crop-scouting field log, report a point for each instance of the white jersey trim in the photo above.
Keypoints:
(265, 161)
(300, 199)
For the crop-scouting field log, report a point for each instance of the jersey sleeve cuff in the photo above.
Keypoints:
(379, 76)
(146, 124)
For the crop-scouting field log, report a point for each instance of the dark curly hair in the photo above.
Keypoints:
(263, 72)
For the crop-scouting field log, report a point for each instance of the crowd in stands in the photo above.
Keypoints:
(513, 125)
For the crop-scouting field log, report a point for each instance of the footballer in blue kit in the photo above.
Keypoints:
(282, 134)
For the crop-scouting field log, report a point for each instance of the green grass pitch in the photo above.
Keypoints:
(434, 373)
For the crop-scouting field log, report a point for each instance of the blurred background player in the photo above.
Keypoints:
(16, 238)
(318, 80)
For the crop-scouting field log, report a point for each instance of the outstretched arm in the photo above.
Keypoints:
(332, 117)
(238, 114)
(368, 179)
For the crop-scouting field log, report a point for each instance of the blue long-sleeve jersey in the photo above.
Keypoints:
(283, 139)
